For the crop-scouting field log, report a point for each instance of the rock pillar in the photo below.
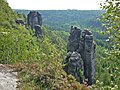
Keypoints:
(81, 56)
(34, 20)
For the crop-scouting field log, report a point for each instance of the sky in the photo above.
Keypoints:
(54, 4)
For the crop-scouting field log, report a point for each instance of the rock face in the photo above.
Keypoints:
(80, 60)
(34, 20)
(74, 39)
(8, 78)
(38, 31)
(88, 55)
(74, 65)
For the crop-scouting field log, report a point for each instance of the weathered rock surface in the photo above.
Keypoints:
(38, 31)
(75, 65)
(8, 78)
(74, 38)
(34, 20)
(83, 47)
(89, 56)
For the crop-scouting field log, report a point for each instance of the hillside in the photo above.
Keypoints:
(41, 62)
(37, 60)
(14, 35)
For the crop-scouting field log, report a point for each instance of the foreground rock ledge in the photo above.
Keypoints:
(8, 78)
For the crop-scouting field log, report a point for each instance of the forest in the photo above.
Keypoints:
(39, 61)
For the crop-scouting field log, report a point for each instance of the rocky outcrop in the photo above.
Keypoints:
(38, 31)
(74, 65)
(20, 21)
(80, 60)
(74, 39)
(8, 78)
(88, 55)
(34, 20)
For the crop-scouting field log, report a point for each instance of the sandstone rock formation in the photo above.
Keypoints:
(74, 65)
(34, 20)
(38, 31)
(8, 78)
(80, 60)
(88, 55)
(74, 39)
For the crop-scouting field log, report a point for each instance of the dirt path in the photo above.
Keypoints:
(8, 78)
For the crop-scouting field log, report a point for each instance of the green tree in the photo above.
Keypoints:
(111, 20)
(109, 65)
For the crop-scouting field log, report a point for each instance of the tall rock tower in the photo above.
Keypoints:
(34, 20)
(81, 57)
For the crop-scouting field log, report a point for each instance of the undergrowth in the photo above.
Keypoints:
(45, 76)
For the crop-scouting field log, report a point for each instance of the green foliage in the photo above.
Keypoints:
(15, 45)
(48, 76)
(38, 60)
(6, 14)
(111, 20)
(107, 70)
(108, 65)
(19, 44)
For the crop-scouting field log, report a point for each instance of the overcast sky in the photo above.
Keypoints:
(54, 4)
